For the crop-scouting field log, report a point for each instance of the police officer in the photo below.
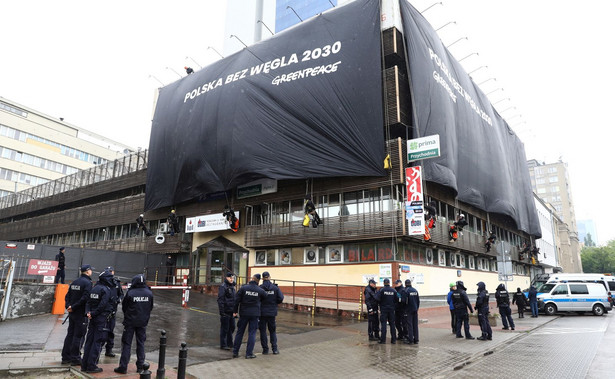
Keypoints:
(76, 297)
(461, 302)
(269, 309)
(503, 301)
(60, 274)
(248, 306)
(400, 323)
(373, 327)
(137, 306)
(387, 297)
(482, 307)
(98, 308)
(116, 298)
(412, 312)
(226, 302)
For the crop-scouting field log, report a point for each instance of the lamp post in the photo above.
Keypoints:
(485, 81)
(448, 23)
(195, 62)
(429, 7)
(476, 69)
(467, 56)
(171, 69)
(211, 48)
(460, 39)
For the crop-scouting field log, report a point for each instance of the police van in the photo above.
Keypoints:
(574, 297)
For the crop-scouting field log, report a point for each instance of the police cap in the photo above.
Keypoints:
(387, 281)
(84, 268)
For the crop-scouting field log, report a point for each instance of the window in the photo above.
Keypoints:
(611, 286)
(562, 289)
(441, 258)
(578, 289)
(335, 254)
(553, 179)
(540, 181)
(542, 190)
(555, 189)
(351, 253)
(261, 258)
(284, 256)
(552, 170)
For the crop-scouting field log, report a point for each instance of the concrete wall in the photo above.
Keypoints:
(30, 299)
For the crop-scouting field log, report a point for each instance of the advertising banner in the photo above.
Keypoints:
(305, 103)
(481, 158)
(42, 267)
(208, 223)
(423, 148)
(414, 202)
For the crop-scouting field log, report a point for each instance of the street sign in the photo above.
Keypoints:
(424, 147)
(42, 267)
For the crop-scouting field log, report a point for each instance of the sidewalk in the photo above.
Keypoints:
(34, 343)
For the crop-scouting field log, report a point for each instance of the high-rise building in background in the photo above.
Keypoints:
(551, 184)
(36, 148)
(587, 232)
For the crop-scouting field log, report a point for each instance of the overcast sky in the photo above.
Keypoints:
(90, 62)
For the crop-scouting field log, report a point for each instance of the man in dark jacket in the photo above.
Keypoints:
(117, 295)
(98, 308)
(137, 306)
(503, 301)
(373, 326)
(387, 297)
(248, 306)
(60, 274)
(400, 319)
(451, 307)
(226, 303)
(141, 225)
(532, 297)
(269, 309)
(520, 299)
(411, 310)
(76, 297)
(482, 307)
(461, 303)
(173, 222)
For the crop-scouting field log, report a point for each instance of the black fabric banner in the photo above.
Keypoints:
(304, 103)
(481, 158)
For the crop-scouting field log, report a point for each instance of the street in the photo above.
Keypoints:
(562, 346)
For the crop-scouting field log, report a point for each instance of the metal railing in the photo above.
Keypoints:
(119, 167)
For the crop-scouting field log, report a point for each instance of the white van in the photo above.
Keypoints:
(574, 297)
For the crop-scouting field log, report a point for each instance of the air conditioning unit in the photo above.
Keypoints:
(163, 228)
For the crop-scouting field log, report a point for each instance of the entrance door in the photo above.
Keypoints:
(218, 261)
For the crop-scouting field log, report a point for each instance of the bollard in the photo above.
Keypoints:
(181, 366)
(146, 373)
(161, 355)
(314, 301)
(360, 304)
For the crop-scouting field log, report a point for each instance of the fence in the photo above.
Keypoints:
(119, 167)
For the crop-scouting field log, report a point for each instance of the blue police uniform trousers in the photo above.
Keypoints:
(268, 323)
(129, 332)
(227, 327)
(373, 326)
(412, 326)
(506, 314)
(483, 322)
(110, 335)
(462, 317)
(77, 327)
(60, 274)
(384, 317)
(252, 323)
(97, 335)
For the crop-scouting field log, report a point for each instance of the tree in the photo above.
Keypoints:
(599, 259)
(588, 240)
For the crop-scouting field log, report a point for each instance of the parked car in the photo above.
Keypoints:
(575, 297)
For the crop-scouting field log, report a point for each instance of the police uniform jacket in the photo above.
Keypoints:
(501, 296)
(269, 305)
(118, 293)
(100, 302)
(138, 303)
(61, 258)
(370, 298)
(461, 300)
(78, 294)
(387, 297)
(413, 302)
(226, 298)
(248, 300)
(401, 300)
(482, 299)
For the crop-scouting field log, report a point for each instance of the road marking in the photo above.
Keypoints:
(198, 310)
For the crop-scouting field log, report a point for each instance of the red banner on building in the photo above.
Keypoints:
(42, 267)
(414, 203)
